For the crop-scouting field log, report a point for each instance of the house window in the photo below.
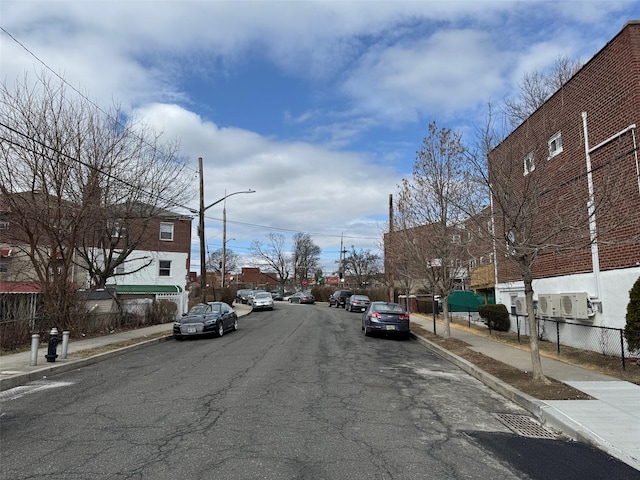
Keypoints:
(118, 229)
(166, 232)
(529, 164)
(4, 264)
(120, 269)
(555, 145)
(165, 268)
(455, 238)
(4, 221)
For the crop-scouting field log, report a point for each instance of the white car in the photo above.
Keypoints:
(261, 301)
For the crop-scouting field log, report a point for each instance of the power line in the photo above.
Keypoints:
(62, 79)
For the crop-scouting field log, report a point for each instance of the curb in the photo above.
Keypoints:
(54, 369)
(545, 413)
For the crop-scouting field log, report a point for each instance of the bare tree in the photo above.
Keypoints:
(273, 256)
(214, 261)
(362, 265)
(536, 87)
(306, 257)
(533, 213)
(429, 218)
(73, 178)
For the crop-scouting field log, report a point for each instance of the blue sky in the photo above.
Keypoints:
(318, 106)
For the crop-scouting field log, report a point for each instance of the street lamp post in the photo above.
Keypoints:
(224, 247)
(203, 267)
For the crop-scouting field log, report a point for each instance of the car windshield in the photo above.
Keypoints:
(263, 295)
(360, 297)
(389, 308)
(199, 309)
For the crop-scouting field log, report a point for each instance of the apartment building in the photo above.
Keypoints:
(581, 147)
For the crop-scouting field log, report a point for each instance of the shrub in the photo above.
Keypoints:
(495, 316)
(632, 330)
(162, 311)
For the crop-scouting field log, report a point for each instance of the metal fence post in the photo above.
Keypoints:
(622, 349)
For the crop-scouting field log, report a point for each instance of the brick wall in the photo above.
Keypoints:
(607, 88)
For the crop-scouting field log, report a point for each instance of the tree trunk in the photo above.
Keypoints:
(536, 364)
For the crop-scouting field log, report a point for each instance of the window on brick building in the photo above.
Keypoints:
(4, 220)
(165, 268)
(555, 145)
(166, 232)
(529, 164)
(4, 264)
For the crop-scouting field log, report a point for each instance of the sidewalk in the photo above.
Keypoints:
(610, 422)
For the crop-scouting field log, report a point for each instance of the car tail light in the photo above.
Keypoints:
(404, 317)
(376, 315)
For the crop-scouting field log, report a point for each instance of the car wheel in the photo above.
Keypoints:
(235, 325)
(220, 329)
(367, 332)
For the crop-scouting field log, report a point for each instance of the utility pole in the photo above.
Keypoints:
(389, 261)
(203, 268)
(224, 242)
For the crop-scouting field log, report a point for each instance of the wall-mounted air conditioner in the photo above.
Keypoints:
(521, 305)
(576, 305)
(549, 305)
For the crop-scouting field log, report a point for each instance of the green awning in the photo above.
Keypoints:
(146, 289)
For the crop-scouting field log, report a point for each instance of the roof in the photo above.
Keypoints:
(146, 289)
(19, 287)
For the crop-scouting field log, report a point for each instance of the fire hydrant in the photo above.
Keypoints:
(53, 344)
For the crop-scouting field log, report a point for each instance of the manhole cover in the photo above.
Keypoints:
(525, 426)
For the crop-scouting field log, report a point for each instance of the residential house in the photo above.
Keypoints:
(156, 269)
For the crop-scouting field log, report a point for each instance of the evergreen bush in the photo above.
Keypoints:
(632, 330)
(496, 317)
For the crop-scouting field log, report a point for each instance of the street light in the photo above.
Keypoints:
(203, 268)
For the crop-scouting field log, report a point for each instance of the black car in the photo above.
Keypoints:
(212, 318)
(339, 298)
(385, 317)
(242, 296)
(357, 303)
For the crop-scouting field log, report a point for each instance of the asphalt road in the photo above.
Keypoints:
(297, 393)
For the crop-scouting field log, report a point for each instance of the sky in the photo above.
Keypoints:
(318, 106)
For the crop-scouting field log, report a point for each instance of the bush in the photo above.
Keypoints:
(162, 311)
(632, 329)
(495, 316)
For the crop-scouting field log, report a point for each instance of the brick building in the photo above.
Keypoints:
(580, 149)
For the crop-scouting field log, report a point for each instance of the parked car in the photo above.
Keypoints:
(212, 318)
(357, 303)
(302, 297)
(339, 298)
(261, 301)
(277, 295)
(385, 317)
(242, 295)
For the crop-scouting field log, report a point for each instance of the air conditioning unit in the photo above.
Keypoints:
(576, 305)
(549, 305)
(521, 305)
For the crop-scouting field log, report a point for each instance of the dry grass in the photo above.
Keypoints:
(523, 381)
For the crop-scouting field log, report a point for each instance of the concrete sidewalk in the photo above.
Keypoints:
(610, 422)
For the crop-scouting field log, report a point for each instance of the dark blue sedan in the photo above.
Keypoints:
(385, 317)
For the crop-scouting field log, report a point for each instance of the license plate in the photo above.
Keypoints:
(391, 327)
(191, 329)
